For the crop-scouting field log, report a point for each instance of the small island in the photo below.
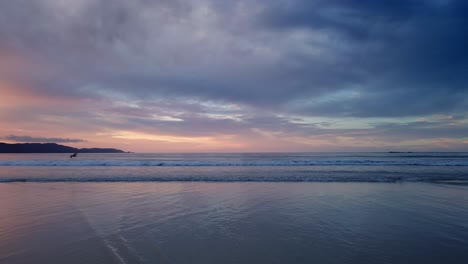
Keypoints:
(51, 148)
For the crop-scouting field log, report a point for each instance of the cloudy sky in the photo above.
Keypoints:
(214, 75)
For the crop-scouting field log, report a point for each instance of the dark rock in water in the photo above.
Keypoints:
(50, 148)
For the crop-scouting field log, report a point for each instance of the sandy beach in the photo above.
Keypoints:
(242, 222)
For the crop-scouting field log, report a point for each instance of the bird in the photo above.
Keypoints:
(73, 155)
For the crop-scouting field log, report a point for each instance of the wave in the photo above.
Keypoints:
(369, 178)
(136, 163)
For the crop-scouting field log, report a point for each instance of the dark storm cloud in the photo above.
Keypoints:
(411, 54)
(41, 139)
(404, 57)
(354, 18)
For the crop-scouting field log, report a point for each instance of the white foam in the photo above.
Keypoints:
(133, 163)
(257, 178)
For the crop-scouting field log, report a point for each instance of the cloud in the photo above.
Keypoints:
(408, 53)
(266, 54)
(211, 68)
(42, 140)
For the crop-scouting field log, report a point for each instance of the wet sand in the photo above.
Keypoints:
(190, 222)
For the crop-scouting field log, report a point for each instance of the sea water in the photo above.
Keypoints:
(234, 208)
(275, 167)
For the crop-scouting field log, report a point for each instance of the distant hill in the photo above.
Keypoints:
(50, 148)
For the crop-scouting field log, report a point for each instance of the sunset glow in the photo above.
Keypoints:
(240, 76)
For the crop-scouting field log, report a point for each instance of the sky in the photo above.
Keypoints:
(236, 76)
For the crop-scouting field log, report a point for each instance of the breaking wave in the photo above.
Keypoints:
(136, 163)
(303, 178)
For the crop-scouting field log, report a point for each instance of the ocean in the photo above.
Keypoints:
(274, 167)
(234, 208)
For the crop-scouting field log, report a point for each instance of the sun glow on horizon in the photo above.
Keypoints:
(245, 76)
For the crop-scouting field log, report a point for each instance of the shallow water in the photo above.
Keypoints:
(261, 167)
(233, 222)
